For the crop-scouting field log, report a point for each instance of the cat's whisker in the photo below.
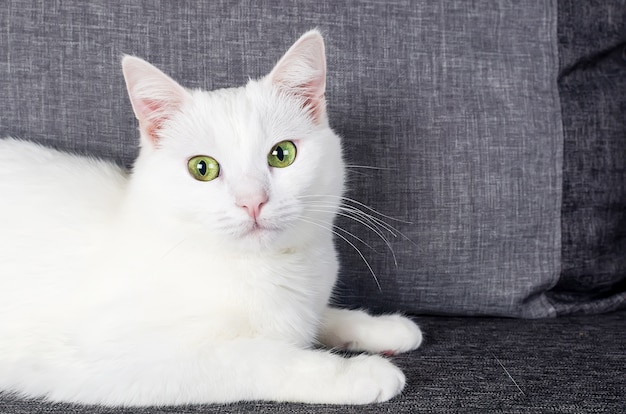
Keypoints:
(173, 248)
(367, 223)
(372, 219)
(358, 208)
(358, 203)
(366, 220)
(348, 232)
(370, 167)
(379, 226)
(376, 230)
(363, 170)
(363, 174)
(320, 224)
(372, 210)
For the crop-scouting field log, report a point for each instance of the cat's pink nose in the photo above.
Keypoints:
(252, 203)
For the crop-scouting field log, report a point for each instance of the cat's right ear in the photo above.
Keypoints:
(155, 97)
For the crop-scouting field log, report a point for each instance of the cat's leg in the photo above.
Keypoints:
(355, 330)
(284, 373)
(228, 371)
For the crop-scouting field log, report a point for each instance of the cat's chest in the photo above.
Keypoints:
(218, 294)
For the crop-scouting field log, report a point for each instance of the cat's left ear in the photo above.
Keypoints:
(155, 96)
(301, 72)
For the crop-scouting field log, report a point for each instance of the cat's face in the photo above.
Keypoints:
(255, 167)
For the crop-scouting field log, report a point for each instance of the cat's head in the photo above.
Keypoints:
(255, 167)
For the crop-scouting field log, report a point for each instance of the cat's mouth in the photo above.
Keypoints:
(256, 236)
(260, 229)
(261, 232)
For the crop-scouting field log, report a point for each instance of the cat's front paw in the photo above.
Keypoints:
(397, 334)
(387, 335)
(356, 330)
(371, 379)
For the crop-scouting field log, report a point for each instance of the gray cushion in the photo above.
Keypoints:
(592, 87)
(463, 110)
(455, 101)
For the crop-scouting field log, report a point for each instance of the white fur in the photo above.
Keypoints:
(153, 288)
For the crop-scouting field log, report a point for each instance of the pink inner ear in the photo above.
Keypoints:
(315, 105)
(314, 102)
(152, 115)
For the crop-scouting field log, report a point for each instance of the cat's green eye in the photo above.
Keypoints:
(203, 168)
(282, 155)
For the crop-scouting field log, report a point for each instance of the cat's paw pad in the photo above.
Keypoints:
(373, 379)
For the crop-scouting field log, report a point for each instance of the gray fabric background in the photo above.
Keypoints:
(455, 101)
(463, 110)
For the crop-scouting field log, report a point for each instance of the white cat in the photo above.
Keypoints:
(202, 276)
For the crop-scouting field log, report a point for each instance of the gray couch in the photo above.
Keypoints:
(495, 132)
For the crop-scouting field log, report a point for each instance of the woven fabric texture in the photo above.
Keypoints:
(458, 105)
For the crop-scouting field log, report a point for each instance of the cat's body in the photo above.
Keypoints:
(170, 285)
